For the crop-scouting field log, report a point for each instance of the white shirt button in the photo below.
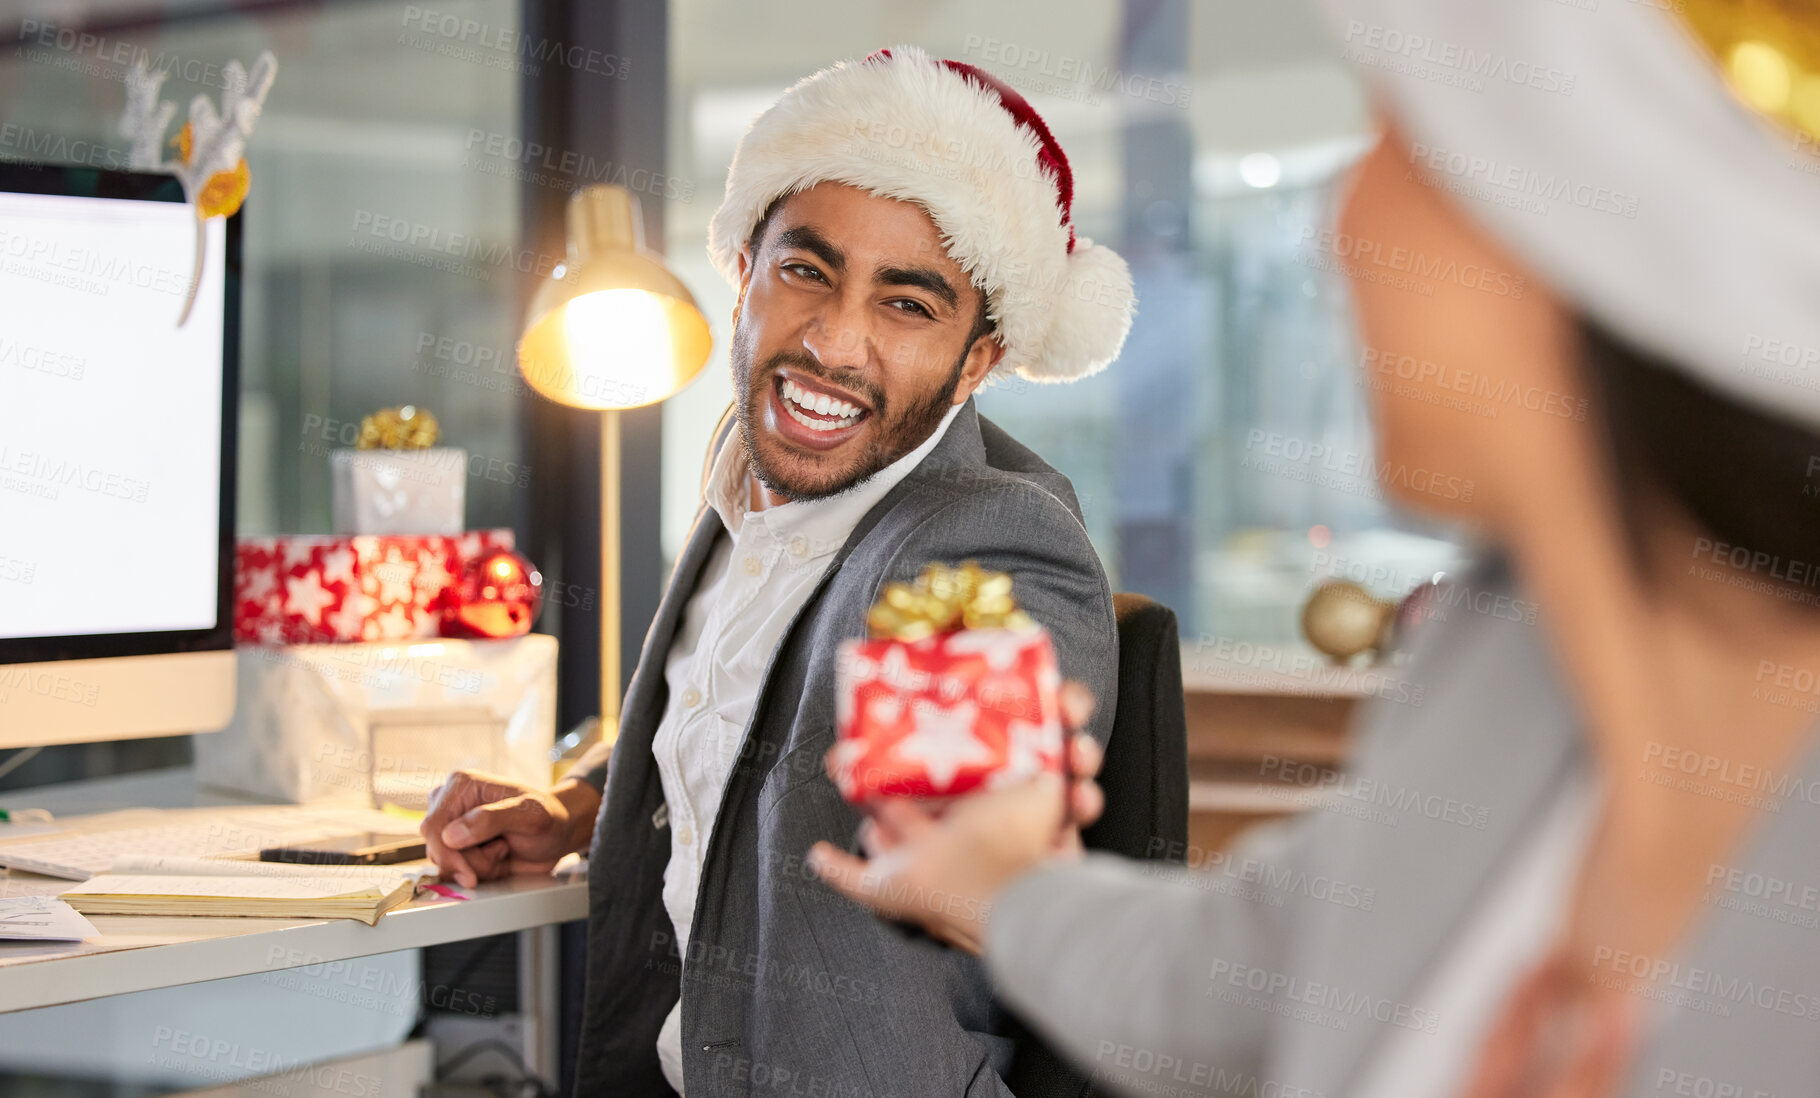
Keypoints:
(753, 566)
(799, 546)
(691, 698)
(685, 835)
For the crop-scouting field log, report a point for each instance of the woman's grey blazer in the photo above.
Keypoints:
(1284, 969)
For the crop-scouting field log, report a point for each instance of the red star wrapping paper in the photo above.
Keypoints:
(305, 589)
(946, 715)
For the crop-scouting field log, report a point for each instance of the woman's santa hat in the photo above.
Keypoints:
(1613, 158)
(972, 152)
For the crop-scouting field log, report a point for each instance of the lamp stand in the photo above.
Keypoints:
(609, 576)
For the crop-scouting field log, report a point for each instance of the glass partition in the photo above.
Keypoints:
(1224, 463)
(381, 230)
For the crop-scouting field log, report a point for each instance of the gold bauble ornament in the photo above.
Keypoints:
(1342, 619)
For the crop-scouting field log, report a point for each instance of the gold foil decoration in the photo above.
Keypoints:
(1769, 54)
(223, 192)
(944, 599)
(405, 428)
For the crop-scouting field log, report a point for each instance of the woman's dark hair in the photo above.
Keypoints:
(1741, 474)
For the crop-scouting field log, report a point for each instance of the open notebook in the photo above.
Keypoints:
(220, 886)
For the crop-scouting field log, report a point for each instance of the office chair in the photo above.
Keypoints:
(1145, 776)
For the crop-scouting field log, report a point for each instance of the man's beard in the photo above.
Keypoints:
(890, 437)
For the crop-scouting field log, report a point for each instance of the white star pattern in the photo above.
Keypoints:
(944, 742)
(884, 710)
(432, 576)
(338, 565)
(405, 572)
(394, 579)
(1001, 647)
(260, 585)
(894, 670)
(394, 624)
(305, 595)
(348, 620)
(297, 551)
(1029, 750)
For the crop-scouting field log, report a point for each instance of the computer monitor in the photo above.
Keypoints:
(116, 458)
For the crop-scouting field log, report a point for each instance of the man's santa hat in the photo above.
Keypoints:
(972, 152)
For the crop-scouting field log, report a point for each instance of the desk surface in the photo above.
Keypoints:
(139, 952)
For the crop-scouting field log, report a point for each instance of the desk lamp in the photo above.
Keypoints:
(610, 329)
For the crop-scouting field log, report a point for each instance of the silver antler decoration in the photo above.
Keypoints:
(217, 140)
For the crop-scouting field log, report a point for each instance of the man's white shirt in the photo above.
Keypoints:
(750, 590)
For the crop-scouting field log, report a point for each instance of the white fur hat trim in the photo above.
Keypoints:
(910, 128)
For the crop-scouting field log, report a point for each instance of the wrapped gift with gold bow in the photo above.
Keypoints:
(954, 690)
(396, 480)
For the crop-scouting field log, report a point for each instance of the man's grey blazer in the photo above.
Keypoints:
(787, 987)
(1287, 966)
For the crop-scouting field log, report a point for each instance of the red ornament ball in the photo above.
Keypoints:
(499, 595)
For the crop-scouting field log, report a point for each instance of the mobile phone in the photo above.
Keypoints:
(360, 848)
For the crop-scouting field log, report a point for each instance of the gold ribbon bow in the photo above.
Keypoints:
(405, 428)
(944, 599)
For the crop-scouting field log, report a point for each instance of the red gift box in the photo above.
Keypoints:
(946, 715)
(309, 589)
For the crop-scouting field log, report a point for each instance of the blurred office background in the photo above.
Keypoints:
(409, 176)
(1207, 138)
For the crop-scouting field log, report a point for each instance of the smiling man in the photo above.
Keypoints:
(899, 232)
(874, 339)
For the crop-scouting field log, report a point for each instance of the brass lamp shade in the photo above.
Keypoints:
(612, 328)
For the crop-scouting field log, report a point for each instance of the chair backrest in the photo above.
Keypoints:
(1145, 773)
(1145, 776)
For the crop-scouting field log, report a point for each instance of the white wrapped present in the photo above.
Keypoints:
(376, 724)
(399, 491)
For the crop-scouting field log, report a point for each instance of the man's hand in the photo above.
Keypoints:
(480, 826)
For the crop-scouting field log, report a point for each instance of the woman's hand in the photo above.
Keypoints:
(943, 872)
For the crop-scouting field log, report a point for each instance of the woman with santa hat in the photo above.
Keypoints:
(1591, 863)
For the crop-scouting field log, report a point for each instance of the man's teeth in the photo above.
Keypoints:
(796, 396)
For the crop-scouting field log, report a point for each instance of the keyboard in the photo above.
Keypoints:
(89, 846)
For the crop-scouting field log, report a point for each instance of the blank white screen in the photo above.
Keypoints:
(110, 417)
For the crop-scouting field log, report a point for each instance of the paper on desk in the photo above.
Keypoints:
(143, 865)
(22, 829)
(42, 919)
(218, 886)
